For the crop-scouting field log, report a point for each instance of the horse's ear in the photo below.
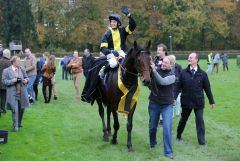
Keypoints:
(149, 44)
(135, 44)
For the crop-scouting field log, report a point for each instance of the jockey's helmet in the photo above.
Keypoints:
(116, 17)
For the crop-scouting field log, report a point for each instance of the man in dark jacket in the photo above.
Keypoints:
(193, 80)
(87, 61)
(4, 63)
(64, 63)
(158, 59)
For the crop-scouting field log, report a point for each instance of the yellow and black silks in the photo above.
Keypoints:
(129, 98)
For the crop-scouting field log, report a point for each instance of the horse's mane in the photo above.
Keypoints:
(130, 50)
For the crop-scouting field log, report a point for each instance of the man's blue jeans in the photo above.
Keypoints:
(154, 111)
(30, 86)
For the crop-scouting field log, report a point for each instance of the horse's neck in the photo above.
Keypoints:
(129, 72)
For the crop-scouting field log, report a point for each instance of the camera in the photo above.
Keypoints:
(30, 99)
(19, 80)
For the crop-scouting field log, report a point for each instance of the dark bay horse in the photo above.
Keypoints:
(136, 63)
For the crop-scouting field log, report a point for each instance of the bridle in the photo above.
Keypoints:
(139, 72)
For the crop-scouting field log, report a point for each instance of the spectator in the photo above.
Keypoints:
(177, 69)
(37, 80)
(87, 61)
(1, 51)
(193, 80)
(54, 91)
(43, 60)
(75, 66)
(4, 63)
(64, 63)
(69, 69)
(161, 101)
(210, 63)
(216, 62)
(224, 58)
(161, 54)
(48, 70)
(30, 63)
(15, 79)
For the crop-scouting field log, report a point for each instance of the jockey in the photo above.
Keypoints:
(113, 43)
(112, 46)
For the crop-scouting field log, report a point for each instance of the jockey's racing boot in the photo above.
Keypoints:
(101, 72)
(104, 70)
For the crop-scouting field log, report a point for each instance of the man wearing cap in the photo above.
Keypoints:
(4, 63)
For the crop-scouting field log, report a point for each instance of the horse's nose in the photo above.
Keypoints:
(146, 82)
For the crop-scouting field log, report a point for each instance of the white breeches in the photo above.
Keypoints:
(113, 60)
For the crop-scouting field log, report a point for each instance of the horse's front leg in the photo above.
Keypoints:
(109, 121)
(129, 130)
(101, 114)
(116, 127)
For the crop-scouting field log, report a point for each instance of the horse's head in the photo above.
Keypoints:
(142, 61)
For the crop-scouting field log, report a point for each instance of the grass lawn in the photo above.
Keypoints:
(70, 130)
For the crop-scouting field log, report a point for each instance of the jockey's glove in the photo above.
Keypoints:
(115, 53)
(125, 10)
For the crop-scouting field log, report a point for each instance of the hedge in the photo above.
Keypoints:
(238, 60)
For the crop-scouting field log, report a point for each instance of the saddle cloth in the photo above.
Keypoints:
(129, 98)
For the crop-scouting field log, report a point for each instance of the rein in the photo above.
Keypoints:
(135, 74)
(125, 70)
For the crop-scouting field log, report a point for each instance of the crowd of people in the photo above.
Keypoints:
(170, 86)
(213, 61)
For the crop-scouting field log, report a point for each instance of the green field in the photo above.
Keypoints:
(69, 130)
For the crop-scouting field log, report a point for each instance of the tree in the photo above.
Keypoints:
(193, 25)
(216, 24)
(17, 22)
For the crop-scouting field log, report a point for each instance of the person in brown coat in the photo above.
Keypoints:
(75, 66)
(48, 70)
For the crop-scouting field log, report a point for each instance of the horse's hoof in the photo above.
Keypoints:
(130, 149)
(114, 142)
(109, 133)
(105, 138)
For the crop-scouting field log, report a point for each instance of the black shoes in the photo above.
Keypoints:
(153, 145)
(202, 143)
(55, 97)
(47, 101)
(160, 124)
(178, 138)
(15, 129)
